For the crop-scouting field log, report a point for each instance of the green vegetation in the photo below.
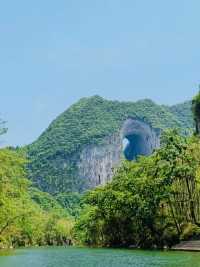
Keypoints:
(71, 202)
(196, 111)
(27, 216)
(182, 113)
(151, 202)
(53, 156)
(154, 201)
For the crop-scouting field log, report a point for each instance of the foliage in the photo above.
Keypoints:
(153, 201)
(148, 201)
(53, 156)
(190, 231)
(28, 218)
(46, 201)
(71, 202)
(183, 114)
(196, 111)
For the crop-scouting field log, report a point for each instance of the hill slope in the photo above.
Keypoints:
(55, 156)
(182, 112)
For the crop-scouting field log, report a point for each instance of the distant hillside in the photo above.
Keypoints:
(56, 153)
(183, 114)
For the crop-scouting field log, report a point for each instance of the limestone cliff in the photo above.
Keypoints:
(97, 162)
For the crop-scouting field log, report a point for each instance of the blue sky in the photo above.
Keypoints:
(54, 52)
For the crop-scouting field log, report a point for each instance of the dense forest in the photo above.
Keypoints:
(153, 201)
(28, 216)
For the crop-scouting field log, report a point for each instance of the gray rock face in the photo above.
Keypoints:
(97, 162)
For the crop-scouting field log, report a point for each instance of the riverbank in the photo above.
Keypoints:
(193, 245)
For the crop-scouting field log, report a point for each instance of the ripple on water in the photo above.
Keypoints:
(84, 257)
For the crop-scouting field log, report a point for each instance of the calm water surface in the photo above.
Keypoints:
(83, 257)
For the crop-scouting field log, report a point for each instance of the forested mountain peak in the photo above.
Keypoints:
(91, 121)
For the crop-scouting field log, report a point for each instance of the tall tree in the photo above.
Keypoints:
(196, 111)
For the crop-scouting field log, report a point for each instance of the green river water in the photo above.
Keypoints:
(84, 257)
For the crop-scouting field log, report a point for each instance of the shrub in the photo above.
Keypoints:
(190, 231)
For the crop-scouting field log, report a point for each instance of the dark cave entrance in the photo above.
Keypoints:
(135, 145)
(138, 139)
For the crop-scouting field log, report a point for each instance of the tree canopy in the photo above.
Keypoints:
(150, 202)
(196, 111)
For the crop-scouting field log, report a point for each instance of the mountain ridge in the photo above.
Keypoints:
(88, 122)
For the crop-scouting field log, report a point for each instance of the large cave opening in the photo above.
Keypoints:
(135, 146)
(138, 139)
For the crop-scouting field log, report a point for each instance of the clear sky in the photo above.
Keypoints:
(54, 52)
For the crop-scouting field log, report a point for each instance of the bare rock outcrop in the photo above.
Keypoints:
(97, 162)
